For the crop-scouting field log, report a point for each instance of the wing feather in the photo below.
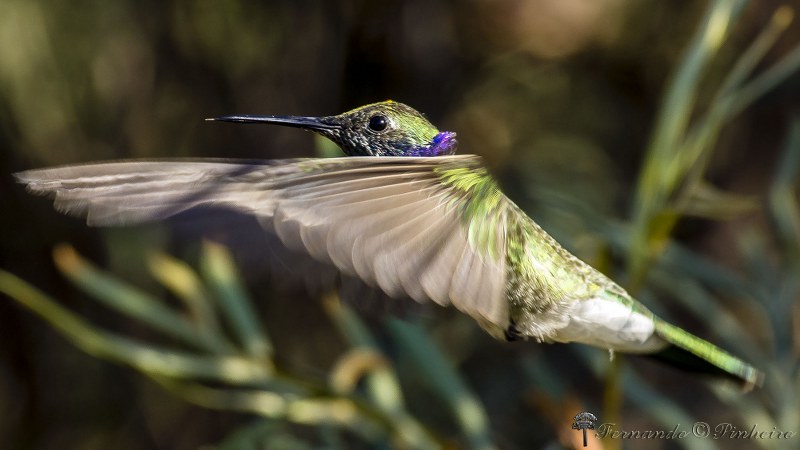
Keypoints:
(409, 226)
(415, 253)
(373, 253)
(436, 283)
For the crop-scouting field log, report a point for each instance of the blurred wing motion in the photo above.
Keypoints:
(387, 221)
(430, 228)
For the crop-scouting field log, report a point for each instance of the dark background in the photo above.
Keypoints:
(557, 96)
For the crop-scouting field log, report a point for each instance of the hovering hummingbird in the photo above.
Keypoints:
(405, 215)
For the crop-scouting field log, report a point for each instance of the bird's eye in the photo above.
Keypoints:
(378, 123)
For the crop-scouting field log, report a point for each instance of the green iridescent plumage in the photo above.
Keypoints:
(424, 224)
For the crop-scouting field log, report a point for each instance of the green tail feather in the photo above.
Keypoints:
(692, 353)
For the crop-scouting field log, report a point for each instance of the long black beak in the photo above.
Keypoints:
(308, 123)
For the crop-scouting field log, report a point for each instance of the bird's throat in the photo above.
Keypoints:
(443, 143)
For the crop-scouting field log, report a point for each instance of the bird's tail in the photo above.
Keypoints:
(689, 352)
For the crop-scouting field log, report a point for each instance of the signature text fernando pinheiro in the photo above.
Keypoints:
(723, 430)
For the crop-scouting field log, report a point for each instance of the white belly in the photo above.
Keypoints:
(609, 324)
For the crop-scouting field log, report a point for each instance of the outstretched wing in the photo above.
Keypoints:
(432, 229)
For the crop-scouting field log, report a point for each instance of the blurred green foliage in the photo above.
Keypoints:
(659, 141)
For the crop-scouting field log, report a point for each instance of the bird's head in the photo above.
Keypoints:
(380, 129)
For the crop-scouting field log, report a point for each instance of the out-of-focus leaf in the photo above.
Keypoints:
(383, 386)
(303, 410)
(133, 302)
(444, 382)
(262, 434)
(179, 278)
(783, 193)
(352, 367)
(219, 270)
(709, 202)
(661, 173)
(778, 73)
(145, 357)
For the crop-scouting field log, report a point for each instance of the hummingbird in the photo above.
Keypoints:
(406, 215)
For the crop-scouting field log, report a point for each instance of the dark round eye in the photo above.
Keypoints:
(378, 123)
